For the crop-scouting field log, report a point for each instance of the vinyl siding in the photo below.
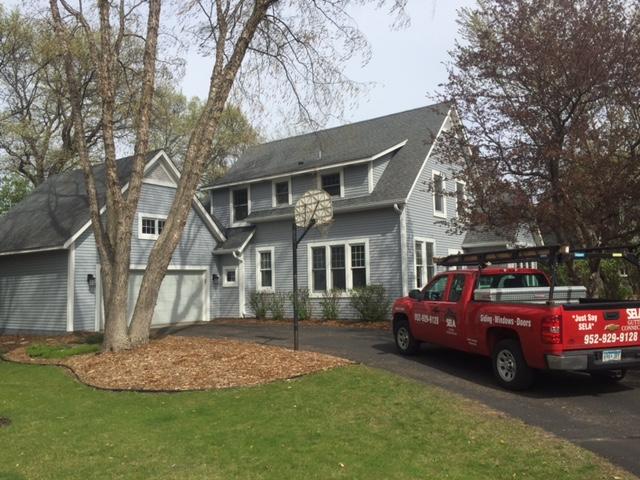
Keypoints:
(356, 180)
(380, 227)
(194, 249)
(84, 318)
(33, 292)
(379, 166)
(421, 221)
(220, 205)
(302, 183)
(261, 196)
(228, 304)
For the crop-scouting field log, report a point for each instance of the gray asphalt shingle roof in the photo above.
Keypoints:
(351, 142)
(52, 213)
(236, 238)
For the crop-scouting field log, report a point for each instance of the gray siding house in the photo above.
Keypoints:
(387, 225)
(49, 267)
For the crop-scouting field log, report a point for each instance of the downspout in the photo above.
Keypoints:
(403, 248)
(241, 292)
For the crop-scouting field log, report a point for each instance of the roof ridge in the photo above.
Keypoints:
(359, 122)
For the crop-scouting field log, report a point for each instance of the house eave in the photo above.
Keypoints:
(309, 170)
(345, 209)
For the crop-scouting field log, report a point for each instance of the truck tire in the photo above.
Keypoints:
(405, 341)
(509, 366)
(609, 376)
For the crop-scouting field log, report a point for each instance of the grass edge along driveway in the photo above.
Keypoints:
(351, 422)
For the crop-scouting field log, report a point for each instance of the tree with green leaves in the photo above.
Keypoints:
(174, 117)
(13, 188)
(547, 94)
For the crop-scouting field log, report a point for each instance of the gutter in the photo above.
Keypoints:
(403, 248)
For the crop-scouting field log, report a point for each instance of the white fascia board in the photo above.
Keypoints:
(426, 160)
(333, 166)
(32, 250)
(346, 209)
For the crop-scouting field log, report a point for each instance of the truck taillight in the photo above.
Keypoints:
(551, 329)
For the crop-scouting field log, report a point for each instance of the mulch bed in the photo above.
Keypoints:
(188, 363)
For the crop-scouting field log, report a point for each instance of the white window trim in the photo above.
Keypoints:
(225, 282)
(232, 210)
(152, 216)
(259, 286)
(274, 203)
(329, 172)
(424, 240)
(436, 213)
(455, 191)
(347, 261)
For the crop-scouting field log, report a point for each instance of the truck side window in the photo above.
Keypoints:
(455, 292)
(435, 291)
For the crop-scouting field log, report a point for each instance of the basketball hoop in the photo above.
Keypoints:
(313, 209)
(314, 206)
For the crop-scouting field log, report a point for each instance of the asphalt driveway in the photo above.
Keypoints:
(601, 418)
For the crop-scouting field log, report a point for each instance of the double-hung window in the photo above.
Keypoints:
(332, 183)
(265, 275)
(425, 267)
(240, 204)
(338, 265)
(439, 200)
(150, 226)
(281, 193)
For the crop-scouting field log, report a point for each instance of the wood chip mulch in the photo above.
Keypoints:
(189, 363)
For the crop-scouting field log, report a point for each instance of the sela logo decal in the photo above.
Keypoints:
(633, 313)
(612, 328)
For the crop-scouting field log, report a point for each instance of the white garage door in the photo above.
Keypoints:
(182, 297)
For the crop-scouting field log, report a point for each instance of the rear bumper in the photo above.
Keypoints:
(592, 360)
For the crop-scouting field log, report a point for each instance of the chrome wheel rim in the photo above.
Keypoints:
(402, 337)
(506, 364)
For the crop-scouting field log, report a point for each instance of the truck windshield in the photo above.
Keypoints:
(513, 280)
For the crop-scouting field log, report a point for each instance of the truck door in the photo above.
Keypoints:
(451, 312)
(429, 324)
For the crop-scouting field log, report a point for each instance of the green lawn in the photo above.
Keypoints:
(351, 423)
(60, 351)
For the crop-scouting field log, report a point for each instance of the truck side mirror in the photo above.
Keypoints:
(415, 294)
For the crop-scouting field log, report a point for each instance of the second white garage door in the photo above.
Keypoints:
(182, 297)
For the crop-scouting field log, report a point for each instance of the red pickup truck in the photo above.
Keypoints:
(510, 315)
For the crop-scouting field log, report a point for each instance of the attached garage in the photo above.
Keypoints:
(183, 296)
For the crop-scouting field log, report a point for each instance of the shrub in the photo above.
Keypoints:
(329, 304)
(277, 303)
(371, 302)
(259, 303)
(304, 304)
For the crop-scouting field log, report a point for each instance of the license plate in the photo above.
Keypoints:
(611, 355)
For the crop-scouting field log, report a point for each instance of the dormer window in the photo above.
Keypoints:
(281, 192)
(332, 183)
(240, 204)
(150, 226)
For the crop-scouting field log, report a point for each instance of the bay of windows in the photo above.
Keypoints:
(338, 265)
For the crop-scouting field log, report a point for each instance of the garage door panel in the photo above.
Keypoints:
(181, 298)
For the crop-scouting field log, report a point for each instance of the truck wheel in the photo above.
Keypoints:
(608, 376)
(509, 366)
(405, 341)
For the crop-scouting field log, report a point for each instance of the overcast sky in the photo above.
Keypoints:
(406, 65)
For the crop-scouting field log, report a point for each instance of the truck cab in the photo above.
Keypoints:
(519, 318)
